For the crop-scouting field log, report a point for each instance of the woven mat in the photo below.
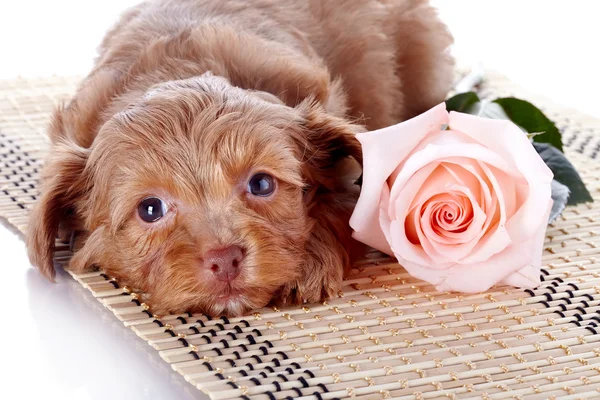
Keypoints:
(386, 335)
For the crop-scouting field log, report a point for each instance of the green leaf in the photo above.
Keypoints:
(462, 101)
(564, 172)
(487, 109)
(480, 108)
(532, 119)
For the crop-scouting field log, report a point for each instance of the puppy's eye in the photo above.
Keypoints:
(151, 209)
(261, 185)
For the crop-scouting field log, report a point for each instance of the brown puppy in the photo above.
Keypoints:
(204, 157)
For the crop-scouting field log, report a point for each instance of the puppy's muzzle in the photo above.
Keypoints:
(224, 263)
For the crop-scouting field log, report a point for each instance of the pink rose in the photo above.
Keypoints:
(463, 209)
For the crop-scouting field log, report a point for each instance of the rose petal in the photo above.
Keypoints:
(401, 245)
(464, 178)
(522, 224)
(384, 224)
(528, 277)
(408, 237)
(399, 240)
(469, 174)
(411, 224)
(435, 153)
(479, 277)
(496, 237)
(436, 256)
(383, 151)
(415, 239)
(450, 229)
(403, 191)
(488, 202)
(510, 142)
(414, 188)
(463, 246)
(512, 145)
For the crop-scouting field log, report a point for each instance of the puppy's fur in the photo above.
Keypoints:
(189, 98)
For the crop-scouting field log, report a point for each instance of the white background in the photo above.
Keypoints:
(58, 342)
(548, 46)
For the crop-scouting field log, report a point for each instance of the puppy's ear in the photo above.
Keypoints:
(327, 139)
(326, 147)
(62, 187)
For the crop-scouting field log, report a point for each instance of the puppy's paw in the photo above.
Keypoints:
(310, 290)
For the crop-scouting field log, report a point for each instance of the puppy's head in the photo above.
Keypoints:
(205, 196)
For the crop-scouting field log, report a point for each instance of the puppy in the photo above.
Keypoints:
(205, 158)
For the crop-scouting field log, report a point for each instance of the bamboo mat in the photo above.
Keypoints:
(386, 335)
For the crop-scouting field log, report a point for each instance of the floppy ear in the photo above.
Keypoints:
(327, 147)
(62, 187)
(325, 141)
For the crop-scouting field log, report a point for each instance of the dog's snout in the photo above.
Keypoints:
(224, 263)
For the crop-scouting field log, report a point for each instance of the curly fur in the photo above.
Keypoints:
(189, 98)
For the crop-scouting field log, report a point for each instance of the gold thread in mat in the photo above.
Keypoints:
(387, 335)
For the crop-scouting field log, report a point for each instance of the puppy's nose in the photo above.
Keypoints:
(224, 263)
